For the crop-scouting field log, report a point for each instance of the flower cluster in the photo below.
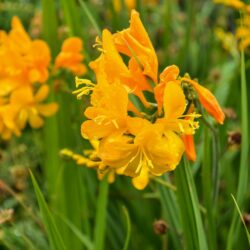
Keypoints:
(243, 27)
(141, 125)
(24, 69)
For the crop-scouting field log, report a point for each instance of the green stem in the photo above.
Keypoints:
(207, 184)
(243, 173)
(101, 215)
(90, 17)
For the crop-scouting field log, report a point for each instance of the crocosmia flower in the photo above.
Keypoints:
(71, 57)
(23, 72)
(138, 136)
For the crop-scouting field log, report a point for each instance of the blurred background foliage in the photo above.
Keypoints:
(183, 33)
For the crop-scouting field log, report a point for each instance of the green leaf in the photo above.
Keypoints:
(193, 229)
(128, 228)
(54, 236)
(241, 217)
(90, 17)
(171, 212)
(83, 238)
(101, 215)
(243, 172)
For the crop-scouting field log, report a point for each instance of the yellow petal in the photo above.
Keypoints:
(174, 102)
(42, 93)
(141, 181)
(35, 120)
(91, 130)
(22, 96)
(117, 152)
(165, 152)
(208, 101)
(47, 109)
(22, 118)
(189, 147)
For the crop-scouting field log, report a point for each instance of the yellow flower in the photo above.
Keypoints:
(117, 5)
(207, 100)
(228, 40)
(108, 112)
(135, 43)
(35, 55)
(29, 106)
(7, 123)
(169, 74)
(130, 4)
(111, 64)
(138, 144)
(243, 32)
(25, 61)
(149, 149)
(174, 106)
(237, 4)
(70, 56)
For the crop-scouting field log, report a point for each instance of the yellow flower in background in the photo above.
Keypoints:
(26, 59)
(71, 57)
(23, 73)
(130, 4)
(117, 5)
(237, 4)
(29, 106)
(8, 127)
(243, 32)
(228, 40)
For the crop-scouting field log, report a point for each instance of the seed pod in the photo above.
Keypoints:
(160, 227)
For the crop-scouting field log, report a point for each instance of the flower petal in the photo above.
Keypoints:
(42, 93)
(189, 147)
(208, 101)
(142, 180)
(174, 102)
(47, 109)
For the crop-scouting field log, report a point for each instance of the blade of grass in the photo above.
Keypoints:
(171, 212)
(241, 217)
(83, 238)
(243, 172)
(52, 164)
(101, 215)
(50, 26)
(54, 236)
(72, 17)
(128, 235)
(207, 190)
(194, 233)
(90, 17)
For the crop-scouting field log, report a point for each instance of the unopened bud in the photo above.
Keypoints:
(160, 227)
(234, 138)
(246, 218)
